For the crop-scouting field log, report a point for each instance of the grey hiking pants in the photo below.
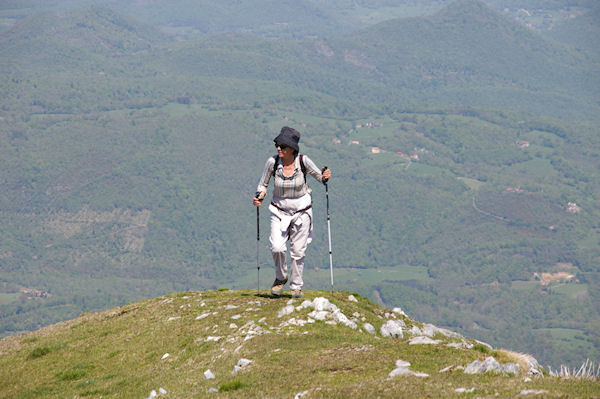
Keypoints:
(297, 228)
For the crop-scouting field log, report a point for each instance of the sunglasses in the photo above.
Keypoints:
(282, 146)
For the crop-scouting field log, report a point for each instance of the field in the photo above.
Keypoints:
(8, 298)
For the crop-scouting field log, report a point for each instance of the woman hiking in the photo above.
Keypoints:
(291, 207)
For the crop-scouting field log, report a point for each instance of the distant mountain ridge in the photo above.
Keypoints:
(468, 46)
(460, 55)
(68, 38)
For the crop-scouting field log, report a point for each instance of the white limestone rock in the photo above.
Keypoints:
(293, 322)
(341, 318)
(209, 375)
(421, 340)
(399, 371)
(320, 315)
(368, 327)
(399, 311)
(202, 316)
(301, 394)
(460, 345)
(429, 330)
(392, 328)
(321, 303)
(414, 330)
(307, 304)
(242, 363)
(482, 367)
(509, 368)
(491, 364)
(285, 311)
(533, 392)
(402, 368)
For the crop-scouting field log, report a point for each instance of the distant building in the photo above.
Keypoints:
(370, 125)
(33, 293)
(547, 278)
(573, 208)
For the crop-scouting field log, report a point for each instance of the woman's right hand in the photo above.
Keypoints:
(258, 198)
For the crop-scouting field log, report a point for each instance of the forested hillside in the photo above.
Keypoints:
(464, 151)
(580, 31)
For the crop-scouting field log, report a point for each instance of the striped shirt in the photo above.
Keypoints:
(294, 186)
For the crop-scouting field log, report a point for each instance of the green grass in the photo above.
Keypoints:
(473, 184)
(536, 166)
(564, 334)
(6, 298)
(39, 352)
(329, 361)
(231, 386)
(388, 129)
(422, 169)
(571, 290)
(525, 285)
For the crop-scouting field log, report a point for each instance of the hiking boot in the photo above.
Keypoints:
(297, 293)
(277, 287)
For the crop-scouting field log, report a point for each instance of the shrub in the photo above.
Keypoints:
(231, 386)
(39, 352)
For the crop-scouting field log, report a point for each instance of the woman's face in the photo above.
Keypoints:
(283, 150)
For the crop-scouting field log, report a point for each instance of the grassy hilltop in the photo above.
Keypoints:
(167, 344)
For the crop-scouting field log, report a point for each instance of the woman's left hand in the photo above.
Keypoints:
(326, 174)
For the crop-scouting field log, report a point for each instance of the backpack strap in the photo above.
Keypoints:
(302, 167)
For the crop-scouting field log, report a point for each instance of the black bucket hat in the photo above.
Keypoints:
(289, 137)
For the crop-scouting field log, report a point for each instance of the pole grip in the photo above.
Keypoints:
(323, 170)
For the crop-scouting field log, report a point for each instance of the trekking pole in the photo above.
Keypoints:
(329, 231)
(257, 246)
